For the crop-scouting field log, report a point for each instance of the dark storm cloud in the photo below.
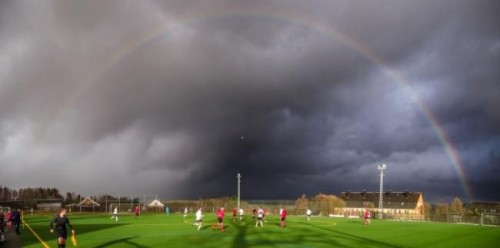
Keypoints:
(230, 88)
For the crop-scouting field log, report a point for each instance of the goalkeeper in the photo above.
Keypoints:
(60, 222)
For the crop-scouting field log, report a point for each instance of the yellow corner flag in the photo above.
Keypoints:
(73, 239)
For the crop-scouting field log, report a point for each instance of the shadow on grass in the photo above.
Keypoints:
(248, 235)
(356, 240)
(43, 231)
(239, 239)
(122, 241)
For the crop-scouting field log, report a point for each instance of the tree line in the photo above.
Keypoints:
(324, 204)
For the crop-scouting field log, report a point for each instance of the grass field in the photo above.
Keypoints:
(152, 230)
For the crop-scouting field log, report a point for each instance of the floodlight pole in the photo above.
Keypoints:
(239, 181)
(381, 168)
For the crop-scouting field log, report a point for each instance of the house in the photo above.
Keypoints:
(87, 204)
(156, 205)
(485, 207)
(396, 205)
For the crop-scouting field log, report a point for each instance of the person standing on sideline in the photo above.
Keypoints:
(367, 216)
(308, 214)
(9, 219)
(60, 222)
(260, 216)
(283, 218)
(199, 217)
(115, 214)
(16, 220)
(2, 224)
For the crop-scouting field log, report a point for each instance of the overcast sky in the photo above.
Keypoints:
(175, 97)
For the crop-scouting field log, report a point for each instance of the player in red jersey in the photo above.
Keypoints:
(234, 214)
(136, 211)
(220, 218)
(367, 216)
(283, 218)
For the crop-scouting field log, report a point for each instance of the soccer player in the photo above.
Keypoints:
(199, 217)
(241, 213)
(283, 218)
(136, 212)
(185, 212)
(260, 216)
(367, 216)
(220, 218)
(115, 214)
(308, 214)
(234, 215)
(61, 221)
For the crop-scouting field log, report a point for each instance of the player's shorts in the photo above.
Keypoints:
(219, 220)
(62, 233)
(283, 219)
(198, 221)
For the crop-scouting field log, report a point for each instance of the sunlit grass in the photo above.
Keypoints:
(157, 230)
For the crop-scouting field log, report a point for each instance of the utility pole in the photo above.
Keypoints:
(381, 168)
(239, 181)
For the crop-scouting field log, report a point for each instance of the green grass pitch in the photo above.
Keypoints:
(156, 230)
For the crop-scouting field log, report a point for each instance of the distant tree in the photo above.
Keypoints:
(69, 198)
(457, 206)
(302, 203)
(427, 210)
(327, 204)
(369, 205)
(201, 203)
(4, 193)
(441, 211)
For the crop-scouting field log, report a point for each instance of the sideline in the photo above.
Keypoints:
(36, 235)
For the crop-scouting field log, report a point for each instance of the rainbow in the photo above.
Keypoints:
(296, 17)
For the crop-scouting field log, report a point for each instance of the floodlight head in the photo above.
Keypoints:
(382, 166)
